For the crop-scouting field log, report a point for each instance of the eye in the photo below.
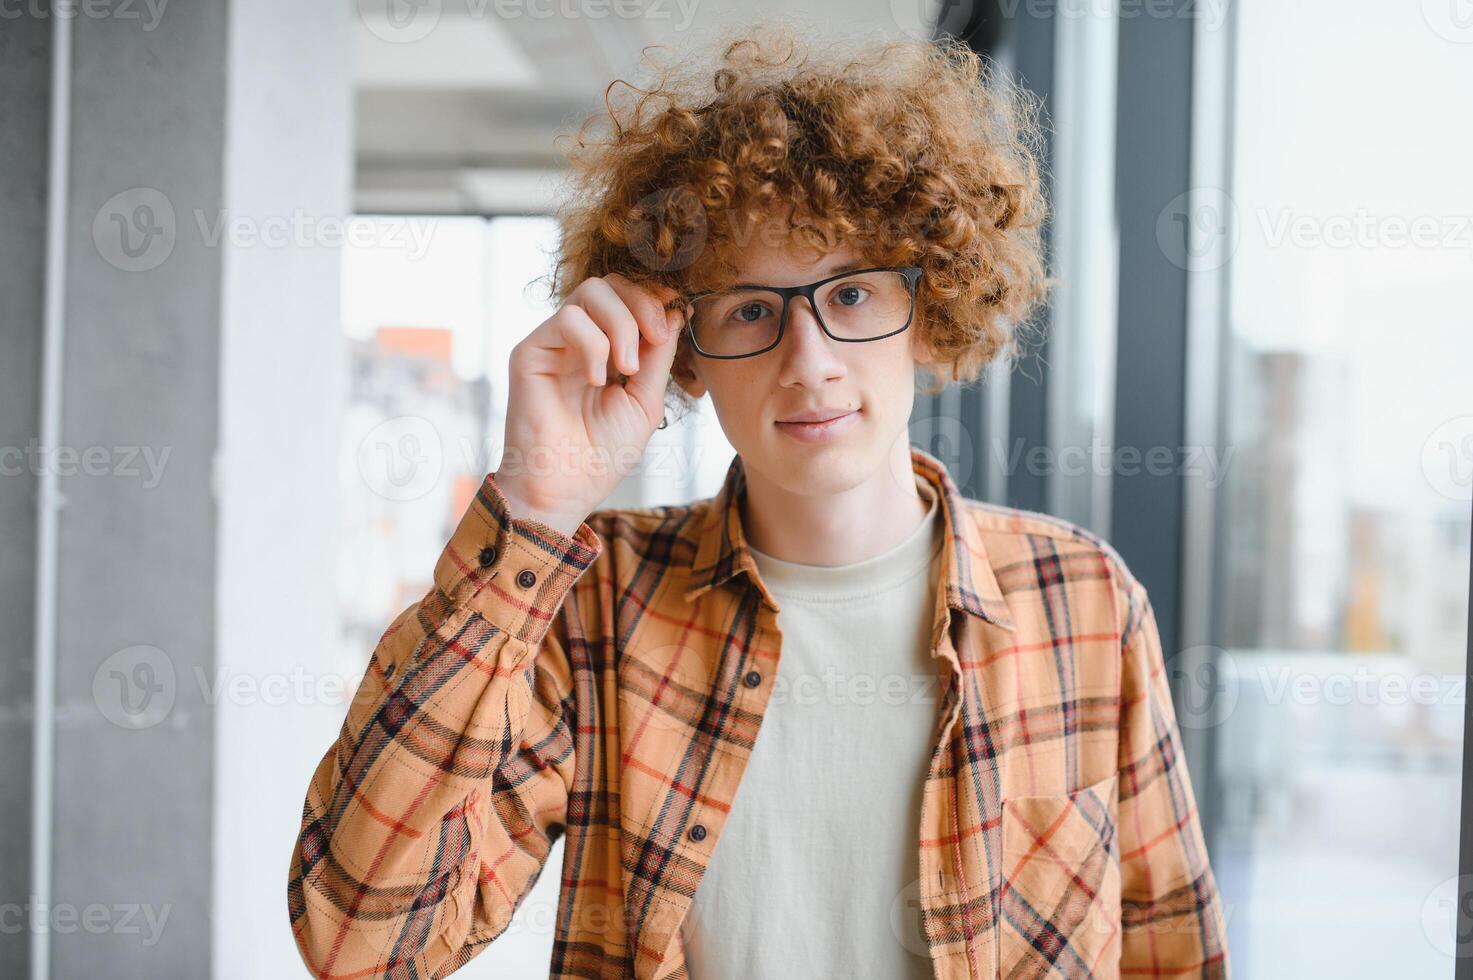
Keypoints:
(750, 312)
(850, 294)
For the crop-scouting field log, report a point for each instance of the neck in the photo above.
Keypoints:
(836, 529)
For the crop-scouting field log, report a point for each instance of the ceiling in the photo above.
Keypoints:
(458, 103)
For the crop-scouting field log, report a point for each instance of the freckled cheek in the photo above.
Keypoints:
(888, 380)
(739, 391)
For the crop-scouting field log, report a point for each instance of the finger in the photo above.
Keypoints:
(610, 314)
(648, 385)
(577, 332)
(647, 304)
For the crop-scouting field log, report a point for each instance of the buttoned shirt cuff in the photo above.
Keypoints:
(513, 571)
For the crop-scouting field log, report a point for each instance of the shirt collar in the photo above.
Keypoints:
(971, 585)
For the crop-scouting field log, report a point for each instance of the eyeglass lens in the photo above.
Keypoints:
(856, 307)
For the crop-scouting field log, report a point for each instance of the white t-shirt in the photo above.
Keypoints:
(815, 874)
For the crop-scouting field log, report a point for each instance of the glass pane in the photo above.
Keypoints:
(866, 304)
(736, 321)
(430, 333)
(1343, 606)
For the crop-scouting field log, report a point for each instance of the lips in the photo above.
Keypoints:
(819, 425)
(817, 415)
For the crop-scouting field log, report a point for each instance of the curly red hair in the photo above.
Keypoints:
(914, 152)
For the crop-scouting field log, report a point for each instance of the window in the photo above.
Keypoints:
(1345, 509)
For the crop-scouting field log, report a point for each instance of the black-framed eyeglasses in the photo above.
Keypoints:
(852, 307)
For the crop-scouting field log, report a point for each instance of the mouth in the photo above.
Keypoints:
(819, 425)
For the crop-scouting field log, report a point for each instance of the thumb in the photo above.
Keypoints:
(647, 385)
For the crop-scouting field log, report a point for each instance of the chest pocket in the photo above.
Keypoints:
(1060, 902)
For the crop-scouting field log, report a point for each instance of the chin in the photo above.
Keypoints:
(820, 471)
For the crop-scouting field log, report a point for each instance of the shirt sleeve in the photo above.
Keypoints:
(430, 817)
(1172, 921)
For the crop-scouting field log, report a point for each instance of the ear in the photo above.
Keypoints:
(693, 386)
(922, 351)
(685, 373)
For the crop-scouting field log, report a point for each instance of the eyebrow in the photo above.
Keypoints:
(838, 270)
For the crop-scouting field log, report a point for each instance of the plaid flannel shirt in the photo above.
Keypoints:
(607, 687)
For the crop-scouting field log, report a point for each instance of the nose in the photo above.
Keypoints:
(808, 356)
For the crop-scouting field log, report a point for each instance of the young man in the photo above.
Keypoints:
(837, 720)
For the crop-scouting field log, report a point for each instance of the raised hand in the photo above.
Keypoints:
(574, 428)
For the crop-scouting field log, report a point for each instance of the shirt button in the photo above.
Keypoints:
(753, 678)
(526, 578)
(488, 556)
(698, 832)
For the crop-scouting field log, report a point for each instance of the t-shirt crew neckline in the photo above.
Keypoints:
(857, 580)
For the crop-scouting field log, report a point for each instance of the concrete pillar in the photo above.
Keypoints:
(289, 162)
(196, 463)
(134, 738)
(25, 69)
